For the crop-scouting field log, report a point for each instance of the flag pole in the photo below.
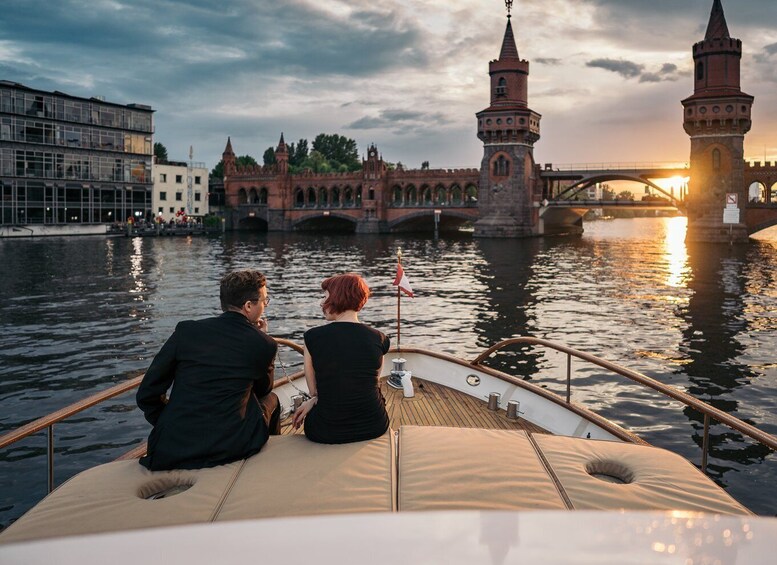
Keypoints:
(399, 262)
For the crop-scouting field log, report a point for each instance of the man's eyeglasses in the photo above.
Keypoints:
(266, 300)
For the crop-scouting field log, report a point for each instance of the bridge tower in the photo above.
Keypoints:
(508, 129)
(716, 117)
(230, 167)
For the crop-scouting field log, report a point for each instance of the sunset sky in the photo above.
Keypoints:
(409, 75)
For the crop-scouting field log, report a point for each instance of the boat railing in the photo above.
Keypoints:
(709, 412)
(47, 422)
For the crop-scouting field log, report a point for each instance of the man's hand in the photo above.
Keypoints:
(261, 323)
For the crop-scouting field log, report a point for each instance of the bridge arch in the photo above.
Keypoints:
(411, 195)
(263, 192)
(242, 196)
(756, 192)
(252, 223)
(762, 226)
(311, 199)
(423, 220)
(584, 183)
(456, 195)
(320, 221)
(470, 194)
(397, 196)
(299, 197)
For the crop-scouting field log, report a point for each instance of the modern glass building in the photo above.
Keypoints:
(71, 160)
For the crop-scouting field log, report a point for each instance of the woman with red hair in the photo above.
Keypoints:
(343, 360)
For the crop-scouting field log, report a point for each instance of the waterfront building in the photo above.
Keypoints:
(180, 187)
(70, 161)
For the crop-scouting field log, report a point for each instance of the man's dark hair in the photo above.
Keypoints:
(238, 287)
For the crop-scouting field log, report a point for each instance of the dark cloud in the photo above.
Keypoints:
(626, 69)
(547, 61)
(394, 119)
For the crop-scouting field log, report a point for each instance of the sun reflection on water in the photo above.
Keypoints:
(676, 253)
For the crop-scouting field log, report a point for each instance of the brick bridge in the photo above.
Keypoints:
(382, 200)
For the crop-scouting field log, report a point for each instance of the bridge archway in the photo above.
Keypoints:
(756, 192)
(423, 221)
(762, 226)
(252, 223)
(575, 188)
(331, 222)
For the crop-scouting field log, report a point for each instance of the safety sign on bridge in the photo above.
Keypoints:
(731, 199)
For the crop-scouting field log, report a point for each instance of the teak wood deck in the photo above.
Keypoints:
(438, 405)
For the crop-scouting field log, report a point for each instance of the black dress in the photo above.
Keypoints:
(347, 357)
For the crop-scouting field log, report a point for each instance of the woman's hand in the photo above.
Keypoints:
(302, 411)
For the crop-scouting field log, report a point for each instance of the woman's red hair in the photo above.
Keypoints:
(346, 292)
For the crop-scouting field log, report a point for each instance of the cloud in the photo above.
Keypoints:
(626, 69)
(547, 61)
(404, 120)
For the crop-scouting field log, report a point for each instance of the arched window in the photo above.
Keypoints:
(426, 195)
(242, 196)
(335, 196)
(262, 195)
(359, 196)
(699, 71)
(412, 196)
(455, 195)
(471, 195)
(396, 196)
(501, 167)
(253, 198)
(299, 198)
(323, 199)
(440, 195)
(501, 87)
(348, 196)
(311, 197)
(716, 159)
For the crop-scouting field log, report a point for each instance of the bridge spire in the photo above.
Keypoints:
(509, 48)
(717, 27)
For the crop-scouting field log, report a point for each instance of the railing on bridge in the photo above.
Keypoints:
(614, 166)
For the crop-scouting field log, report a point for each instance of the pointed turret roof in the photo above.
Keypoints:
(281, 145)
(228, 149)
(509, 49)
(717, 28)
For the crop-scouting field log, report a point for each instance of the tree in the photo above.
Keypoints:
(338, 150)
(298, 153)
(160, 152)
(425, 165)
(269, 156)
(625, 195)
(245, 160)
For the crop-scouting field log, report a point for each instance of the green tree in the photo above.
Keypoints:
(298, 153)
(269, 156)
(244, 160)
(625, 195)
(425, 165)
(338, 150)
(160, 152)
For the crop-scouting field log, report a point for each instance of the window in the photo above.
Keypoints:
(716, 159)
(501, 167)
(196, 210)
(172, 210)
(162, 177)
(700, 71)
(501, 88)
(178, 179)
(178, 196)
(162, 195)
(161, 210)
(197, 180)
(197, 196)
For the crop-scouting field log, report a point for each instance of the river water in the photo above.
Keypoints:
(78, 315)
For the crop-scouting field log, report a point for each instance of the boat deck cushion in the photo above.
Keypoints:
(112, 497)
(459, 468)
(293, 476)
(648, 478)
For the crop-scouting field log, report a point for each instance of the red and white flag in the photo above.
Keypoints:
(402, 282)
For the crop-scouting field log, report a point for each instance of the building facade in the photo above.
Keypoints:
(66, 160)
(180, 187)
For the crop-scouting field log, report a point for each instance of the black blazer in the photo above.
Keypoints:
(218, 367)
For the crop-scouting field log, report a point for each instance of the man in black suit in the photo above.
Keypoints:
(221, 407)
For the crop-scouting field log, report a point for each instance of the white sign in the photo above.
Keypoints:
(731, 216)
(731, 199)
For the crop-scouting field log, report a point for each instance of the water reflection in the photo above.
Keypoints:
(713, 343)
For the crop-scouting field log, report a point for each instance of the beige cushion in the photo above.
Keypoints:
(293, 476)
(656, 479)
(458, 468)
(111, 497)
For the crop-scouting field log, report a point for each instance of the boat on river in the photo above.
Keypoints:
(478, 465)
